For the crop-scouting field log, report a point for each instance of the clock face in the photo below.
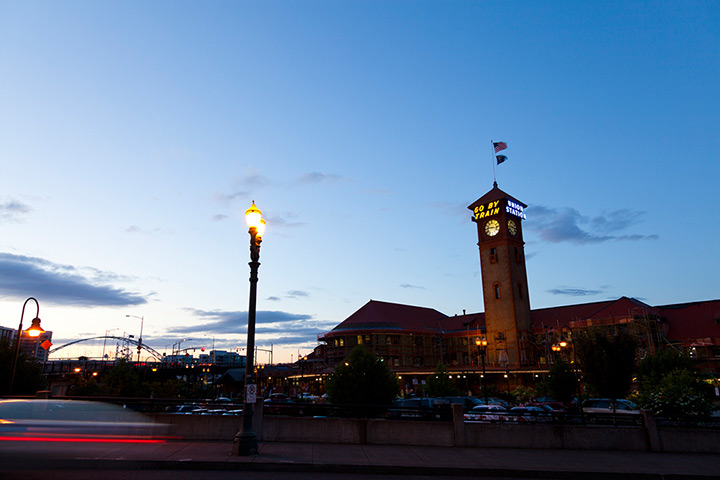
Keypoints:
(492, 227)
(512, 228)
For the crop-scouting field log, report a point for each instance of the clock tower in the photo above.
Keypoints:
(504, 278)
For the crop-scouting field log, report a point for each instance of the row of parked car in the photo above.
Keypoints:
(546, 412)
(494, 409)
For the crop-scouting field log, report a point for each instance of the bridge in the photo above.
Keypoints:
(125, 340)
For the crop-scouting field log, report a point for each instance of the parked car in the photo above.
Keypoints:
(531, 413)
(418, 408)
(468, 403)
(487, 413)
(308, 397)
(279, 403)
(605, 405)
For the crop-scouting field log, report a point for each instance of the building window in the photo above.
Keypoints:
(493, 255)
(368, 340)
(359, 339)
(496, 290)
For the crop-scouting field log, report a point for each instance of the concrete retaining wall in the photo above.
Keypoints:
(447, 434)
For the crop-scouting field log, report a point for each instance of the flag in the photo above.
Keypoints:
(500, 158)
(499, 146)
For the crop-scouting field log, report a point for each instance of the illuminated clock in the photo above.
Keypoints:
(512, 228)
(492, 227)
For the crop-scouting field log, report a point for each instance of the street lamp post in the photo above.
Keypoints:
(142, 322)
(482, 349)
(245, 442)
(34, 331)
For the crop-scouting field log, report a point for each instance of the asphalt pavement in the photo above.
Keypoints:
(37, 456)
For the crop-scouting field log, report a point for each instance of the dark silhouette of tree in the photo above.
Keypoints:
(28, 371)
(607, 361)
(670, 386)
(362, 379)
(122, 381)
(440, 384)
(561, 382)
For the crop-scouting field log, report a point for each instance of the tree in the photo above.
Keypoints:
(362, 379)
(607, 361)
(669, 386)
(28, 372)
(122, 381)
(440, 384)
(560, 383)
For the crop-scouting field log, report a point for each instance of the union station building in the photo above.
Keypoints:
(510, 342)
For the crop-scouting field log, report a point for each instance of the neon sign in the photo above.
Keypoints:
(482, 211)
(493, 208)
(516, 209)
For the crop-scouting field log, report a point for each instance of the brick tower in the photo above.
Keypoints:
(504, 278)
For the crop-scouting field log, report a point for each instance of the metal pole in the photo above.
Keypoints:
(246, 441)
(482, 357)
(17, 343)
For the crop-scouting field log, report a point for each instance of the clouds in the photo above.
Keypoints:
(566, 224)
(13, 211)
(283, 328)
(23, 276)
(575, 291)
(315, 178)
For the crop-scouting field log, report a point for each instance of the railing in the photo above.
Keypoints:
(437, 413)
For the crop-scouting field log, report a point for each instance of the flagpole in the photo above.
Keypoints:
(492, 159)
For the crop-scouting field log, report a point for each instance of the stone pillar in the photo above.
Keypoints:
(458, 424)
(651, 430)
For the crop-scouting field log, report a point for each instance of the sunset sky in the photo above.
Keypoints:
(134, 135)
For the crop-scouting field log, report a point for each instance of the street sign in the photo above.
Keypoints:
(46, 344)
(251, 393)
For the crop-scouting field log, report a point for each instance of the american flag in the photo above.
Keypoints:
(499, 146)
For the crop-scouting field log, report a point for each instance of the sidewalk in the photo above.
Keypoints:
(374, 459)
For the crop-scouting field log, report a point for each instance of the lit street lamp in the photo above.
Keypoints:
(482, 349)
(245, 442)
(34, 331)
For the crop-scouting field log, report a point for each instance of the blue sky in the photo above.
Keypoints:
(134, 135)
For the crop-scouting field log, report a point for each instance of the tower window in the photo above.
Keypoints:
(493, 255)
(496, 290)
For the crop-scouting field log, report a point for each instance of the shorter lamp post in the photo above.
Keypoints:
(34, 331)
(482, 350)
(245, 442)
(142, 322)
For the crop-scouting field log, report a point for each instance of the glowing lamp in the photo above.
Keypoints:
(253, 217)
(35, 329)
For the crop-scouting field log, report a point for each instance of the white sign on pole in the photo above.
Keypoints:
(251, 393)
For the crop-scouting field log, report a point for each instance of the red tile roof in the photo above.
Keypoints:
(695, 322)
(691, 322)
(376, 315)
